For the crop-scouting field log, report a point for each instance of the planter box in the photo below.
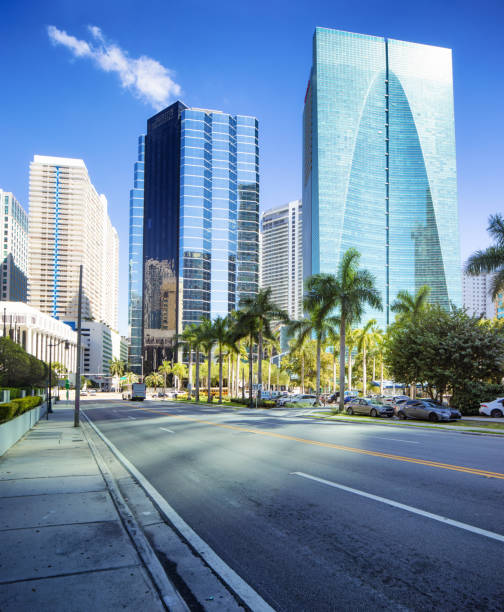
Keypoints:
(15, 429)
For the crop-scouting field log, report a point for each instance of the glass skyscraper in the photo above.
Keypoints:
(135, 261)
(379, 168)
(201, 221)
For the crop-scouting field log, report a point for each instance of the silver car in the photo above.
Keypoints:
(370, 407)
(427, 410)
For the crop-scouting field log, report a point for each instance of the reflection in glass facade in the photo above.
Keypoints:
(135, 261)
(201, 233)
(379, 169)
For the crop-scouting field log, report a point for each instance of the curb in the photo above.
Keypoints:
(169, 595)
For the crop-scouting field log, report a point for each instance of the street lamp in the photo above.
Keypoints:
(49, 399)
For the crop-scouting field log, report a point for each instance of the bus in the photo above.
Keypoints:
(136, 391)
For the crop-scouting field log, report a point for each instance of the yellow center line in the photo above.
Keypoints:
(349, 449)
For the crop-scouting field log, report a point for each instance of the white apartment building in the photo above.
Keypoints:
(282, 256)
(476, 296)
(69, 226)
(14, 268)
(39, 334)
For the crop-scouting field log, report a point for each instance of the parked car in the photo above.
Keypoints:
(83, 392)
(428, 410)
(396, 398)
(303, 399)
(281, 401)
(92, 392)
(494, 409)
(369, 407)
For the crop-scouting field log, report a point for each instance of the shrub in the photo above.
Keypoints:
(468, 398)
(16, 407)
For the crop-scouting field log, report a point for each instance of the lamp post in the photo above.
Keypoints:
(49, 398)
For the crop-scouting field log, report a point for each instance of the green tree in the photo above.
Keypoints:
(314, 325)
(131, 378)
(349, 291)
(365, 341)
(165, 369)
(154, 380)
(14, 364)
(245, 329)
(450, 351)
(188, 338)
(208, 341)
(264, 312)
(116, 368)
(179, 370)
(220, 333)
(492, 258)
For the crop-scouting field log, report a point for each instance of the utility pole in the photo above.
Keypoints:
(78, 374)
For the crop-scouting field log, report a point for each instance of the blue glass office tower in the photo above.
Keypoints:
(136, 262)
(379, 171)
(201, 221)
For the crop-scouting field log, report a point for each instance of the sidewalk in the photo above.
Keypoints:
(64, 545)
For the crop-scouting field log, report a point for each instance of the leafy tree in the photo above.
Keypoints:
(450, 351)
(264, 312)
(14, 364)
(131, 378)
(116, 368)
(492, 258)
(179, 370)
(303, 363)
(349, 291)
(189, 338)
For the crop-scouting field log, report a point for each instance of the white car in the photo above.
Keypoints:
(494, 409)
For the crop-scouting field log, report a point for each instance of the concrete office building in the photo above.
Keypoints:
(201, 221)
(282, 256)
(14, 268)
(35, 331)
(379, 166)
(69, 226)
(477, 299)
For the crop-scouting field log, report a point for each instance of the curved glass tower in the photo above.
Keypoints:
(379, 170)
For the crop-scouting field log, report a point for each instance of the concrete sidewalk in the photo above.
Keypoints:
(63, 543)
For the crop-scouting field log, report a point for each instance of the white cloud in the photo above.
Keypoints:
(145, 77)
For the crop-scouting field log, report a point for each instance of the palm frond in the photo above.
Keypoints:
(489, 260)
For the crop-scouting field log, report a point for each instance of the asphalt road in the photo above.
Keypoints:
(312, 513)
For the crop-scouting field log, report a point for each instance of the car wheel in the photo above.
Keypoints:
(496, 414)
(401, 415)
(433, 417)
(349, 411)
(373, 413)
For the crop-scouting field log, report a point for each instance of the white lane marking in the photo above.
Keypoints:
(168, 430)
(435, 517)
(398, 440)
(132, 418)
(252, 599)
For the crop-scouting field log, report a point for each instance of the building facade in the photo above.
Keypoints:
(69, 226)
(136, 261)
(14, 270)
(379, 171)
(201, 221)
(39, 334)
(477, 298)
(282, 256)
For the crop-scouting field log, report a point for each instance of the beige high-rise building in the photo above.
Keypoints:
(69, 226)
(281, 256)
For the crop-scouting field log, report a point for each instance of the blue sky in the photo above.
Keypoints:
(239, 57)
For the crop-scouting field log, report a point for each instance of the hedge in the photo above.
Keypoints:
(260, 403)
(16, 407)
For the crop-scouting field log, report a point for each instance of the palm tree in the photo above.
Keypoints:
(333, 338)
(188, 338)
(272, 344)
(164, 369)
(179, 370)
(365, 340)
(492, 258)
(220, 331)
(349, 291)
(410, 307)
(246, 329)
(198, 339)
(116, 368)
(131, 378)
(351, 342)
(317, 325)
(207, 341)
(154, 380)
(264, 311)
